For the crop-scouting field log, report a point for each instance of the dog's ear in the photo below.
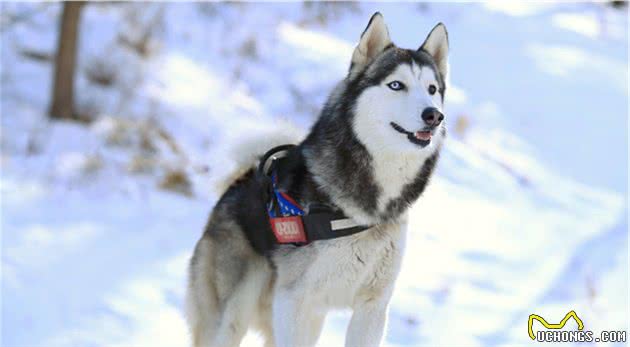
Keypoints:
(374, 40)
(436, 44)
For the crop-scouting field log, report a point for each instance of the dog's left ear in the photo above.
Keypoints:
(436, 44)
(374, 40)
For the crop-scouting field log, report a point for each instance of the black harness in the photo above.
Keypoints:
(290, 223)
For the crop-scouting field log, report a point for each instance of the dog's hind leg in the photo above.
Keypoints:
(241, 306)
(202, 303)
(225, 283)
(263, 322)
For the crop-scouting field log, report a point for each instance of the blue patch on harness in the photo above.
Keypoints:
(286, 205)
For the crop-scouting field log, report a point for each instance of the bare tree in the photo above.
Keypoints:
(62, 105)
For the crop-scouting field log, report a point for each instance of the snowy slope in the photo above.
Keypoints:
(525, 215)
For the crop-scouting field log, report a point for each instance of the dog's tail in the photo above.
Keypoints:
(245, 153)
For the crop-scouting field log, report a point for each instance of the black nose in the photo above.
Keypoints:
(432, 116)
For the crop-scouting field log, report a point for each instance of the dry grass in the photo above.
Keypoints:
(176, 181)
(101, 73)
(92, 164)
(141, 33)
(249, 49)
(323, 12)
(86, 111)
(36, 55)
(120, 133)
(462, 124)
(142, 164)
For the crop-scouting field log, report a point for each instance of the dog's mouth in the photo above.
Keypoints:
(421, 138)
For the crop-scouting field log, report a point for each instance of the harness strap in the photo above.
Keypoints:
(289, 222)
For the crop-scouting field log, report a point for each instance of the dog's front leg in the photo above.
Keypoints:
(296, 323)
(368, 323)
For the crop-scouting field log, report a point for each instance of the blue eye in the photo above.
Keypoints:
(396, 85)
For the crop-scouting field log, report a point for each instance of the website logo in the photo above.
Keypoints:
(554, 334)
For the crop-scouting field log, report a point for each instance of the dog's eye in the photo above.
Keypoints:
(432, 89)
(396, 85)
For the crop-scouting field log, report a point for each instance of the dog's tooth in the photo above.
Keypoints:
(423, 135)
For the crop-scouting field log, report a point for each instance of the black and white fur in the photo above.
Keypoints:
(367, 155)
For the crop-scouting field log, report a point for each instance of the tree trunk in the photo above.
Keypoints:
(62, 106)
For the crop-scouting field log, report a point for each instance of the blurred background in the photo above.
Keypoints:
(111, 154)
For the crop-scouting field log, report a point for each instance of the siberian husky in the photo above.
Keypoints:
(368, 157)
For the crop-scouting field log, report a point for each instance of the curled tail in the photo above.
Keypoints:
(245, 152)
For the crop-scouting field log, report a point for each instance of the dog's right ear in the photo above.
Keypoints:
(374, 40)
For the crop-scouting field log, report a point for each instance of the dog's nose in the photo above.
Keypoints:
(432, 116)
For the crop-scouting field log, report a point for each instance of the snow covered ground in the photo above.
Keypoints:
(527, 213)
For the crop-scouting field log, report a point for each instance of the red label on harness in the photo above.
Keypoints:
(288, 229)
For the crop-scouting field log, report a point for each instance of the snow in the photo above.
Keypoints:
(527, 212)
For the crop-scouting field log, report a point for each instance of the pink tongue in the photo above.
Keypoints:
(423, 135)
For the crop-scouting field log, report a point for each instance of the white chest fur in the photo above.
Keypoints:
(392, 172)
(334, 273)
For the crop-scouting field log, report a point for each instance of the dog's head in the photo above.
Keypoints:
(400, 92)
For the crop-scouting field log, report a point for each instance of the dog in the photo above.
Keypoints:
(367, 158)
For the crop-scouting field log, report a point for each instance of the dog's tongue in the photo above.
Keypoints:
(423, 135)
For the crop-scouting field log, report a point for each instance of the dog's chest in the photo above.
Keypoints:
(334, 272)
(392, 173)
